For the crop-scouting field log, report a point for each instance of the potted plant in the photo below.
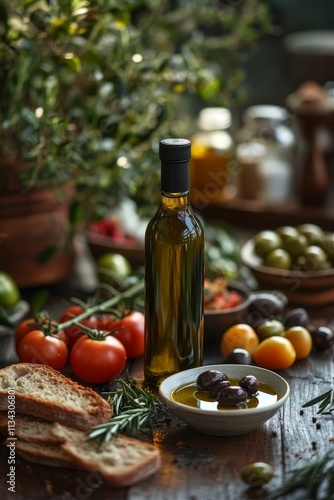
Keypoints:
(87, 89)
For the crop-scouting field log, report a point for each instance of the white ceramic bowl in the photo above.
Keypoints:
(225, 422)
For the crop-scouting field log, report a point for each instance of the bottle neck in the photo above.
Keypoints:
(175, 200)
(175, 178)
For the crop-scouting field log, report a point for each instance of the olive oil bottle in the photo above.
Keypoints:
(174, 272)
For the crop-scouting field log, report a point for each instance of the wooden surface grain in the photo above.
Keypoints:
(194, 465)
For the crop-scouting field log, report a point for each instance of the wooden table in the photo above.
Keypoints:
(195, 465)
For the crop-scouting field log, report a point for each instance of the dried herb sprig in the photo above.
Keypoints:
(326, 401)
(134, 409)
(316, 478)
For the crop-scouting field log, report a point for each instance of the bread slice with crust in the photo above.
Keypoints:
(29, 429)
(122, 461)
(43, 392)
(44, 454)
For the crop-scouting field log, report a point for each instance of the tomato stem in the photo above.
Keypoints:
(103, 306)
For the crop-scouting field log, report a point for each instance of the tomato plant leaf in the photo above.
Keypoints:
(38, 301)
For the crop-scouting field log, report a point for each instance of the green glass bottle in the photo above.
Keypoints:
(174, 272)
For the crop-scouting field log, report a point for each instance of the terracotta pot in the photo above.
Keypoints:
(30, 223)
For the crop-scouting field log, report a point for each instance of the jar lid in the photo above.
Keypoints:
(263, 112)
(214, 118)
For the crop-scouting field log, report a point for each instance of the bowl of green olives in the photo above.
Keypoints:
(299, 261)
(226, 399)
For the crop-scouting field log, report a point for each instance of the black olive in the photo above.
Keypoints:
(296, 317)
(251, 384)
(267, 304)
(239, 356)
(208, 379)
(218, 387)
(322, 337)
(232, 396)
(255, 319)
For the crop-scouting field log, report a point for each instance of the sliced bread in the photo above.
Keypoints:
(30, 429)
(122, 461)
(44, 454)
(45, 393)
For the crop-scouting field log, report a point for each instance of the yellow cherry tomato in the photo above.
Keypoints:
(275, 353)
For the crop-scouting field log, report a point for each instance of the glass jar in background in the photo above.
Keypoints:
(268, 125)
(211, 171)
(249, 156)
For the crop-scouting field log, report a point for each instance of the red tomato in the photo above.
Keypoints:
(105, 322)
(131, 333)
(98, 361)
(36, 347)
(73, 332)
(22, 329)
(27, 326)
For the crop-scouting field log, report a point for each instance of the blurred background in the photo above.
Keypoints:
(88, 88)
(280, 65)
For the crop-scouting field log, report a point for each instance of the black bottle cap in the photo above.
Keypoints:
(175, 155)
(174, 150)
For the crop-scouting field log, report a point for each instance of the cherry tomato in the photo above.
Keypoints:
(22, 329)
(105, 322)
(131, 333)
(73, 332)
(30, 324)
(36, 347)
(97, 361)
(275, 353)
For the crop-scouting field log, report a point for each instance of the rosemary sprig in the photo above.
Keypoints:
(316, 478)
(134, 409)
(326, 401)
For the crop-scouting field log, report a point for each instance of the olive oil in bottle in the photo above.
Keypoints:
(174, 272)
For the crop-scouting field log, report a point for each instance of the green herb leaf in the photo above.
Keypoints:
(310, 478)
(326, 401)
(134, 409)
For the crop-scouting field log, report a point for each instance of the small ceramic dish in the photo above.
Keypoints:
(225, 422)
(100, 244)
(305, 288)
(16, 314)
(217, 322)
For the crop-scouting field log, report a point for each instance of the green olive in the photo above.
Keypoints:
(313, 259)
(279, 259)
(270, 328)
(287, 231)
(257, 474)
(295, 245)
(328, 245)
(266, 241)
(313, 233)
